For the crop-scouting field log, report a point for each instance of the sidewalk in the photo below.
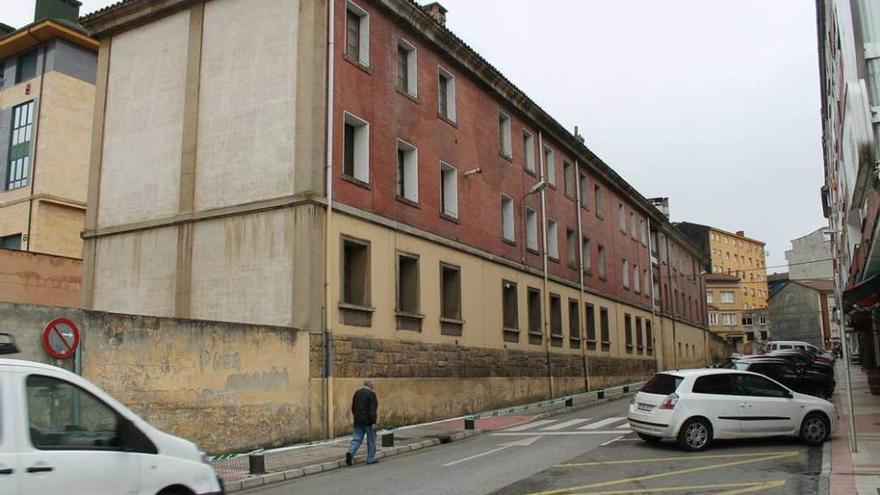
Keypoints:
(859, 472)
(299, 460)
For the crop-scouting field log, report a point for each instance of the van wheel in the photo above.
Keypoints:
(814, 429)
(649, 438)
(695, 435)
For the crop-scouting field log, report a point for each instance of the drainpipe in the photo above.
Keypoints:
(659, 350)
(545, 300)
(329, 427)
(674, 303)
(581, 312)
(36, 124)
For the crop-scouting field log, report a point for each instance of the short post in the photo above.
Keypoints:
(256, 463)
(601, 393)
(388, 439)
(626, 389)
(569, 401)
(469, 422)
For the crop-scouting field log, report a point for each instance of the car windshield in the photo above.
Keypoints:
(739, 365)
(662, 384)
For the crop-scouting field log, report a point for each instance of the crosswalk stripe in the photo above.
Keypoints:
(600, 424)
(533, 424)
(565, 424)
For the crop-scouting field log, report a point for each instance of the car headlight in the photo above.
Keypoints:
(205, 458)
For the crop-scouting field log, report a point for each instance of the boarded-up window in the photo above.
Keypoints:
(555, 320)
(534, 307)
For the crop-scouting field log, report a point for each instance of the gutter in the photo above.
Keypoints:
(582, 334)
(329, 429)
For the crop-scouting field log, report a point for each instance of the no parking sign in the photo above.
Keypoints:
(60, 338)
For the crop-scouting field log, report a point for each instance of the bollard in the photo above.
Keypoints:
(625, 388)
(388, 439)
(469, 423)
(256, 464)
(600, 394)
(569, 401)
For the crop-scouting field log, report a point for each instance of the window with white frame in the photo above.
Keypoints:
(531, 229)
(357, 34)
(762, 320)
(633, 226)
(643, 232)
(646, 280)
(636, 281)
(549, 165)
(356, 148)
(449, 190)
(446, 94)
(713, 318)
(571, 248)
(585, 191)
(586, 255)
(507, 229)
(602, 270)
(710, 297)
(728, 319)
(568, 176)
(407, 171)
(625, 274)
(552, 239)
(407, 68)
(621, 217)
(528, 150)
(727, 296)
(504, 134)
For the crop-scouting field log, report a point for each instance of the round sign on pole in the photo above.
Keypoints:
(60, 338)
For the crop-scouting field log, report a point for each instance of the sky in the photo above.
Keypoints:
(712, 103)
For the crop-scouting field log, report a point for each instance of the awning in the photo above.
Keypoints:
(863, 295)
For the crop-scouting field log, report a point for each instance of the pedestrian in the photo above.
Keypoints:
(364, 409)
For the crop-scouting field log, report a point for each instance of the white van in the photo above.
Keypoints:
(782, 345)
(61, 434)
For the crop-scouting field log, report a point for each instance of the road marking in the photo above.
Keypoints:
(577, 489)
(565, 424)
(609, 442)
(600, 424)
(519, 443)
(676, 458)
(751, 486)
(625, 425)
(533, 424)
(527, 433)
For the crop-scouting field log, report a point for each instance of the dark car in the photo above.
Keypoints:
(803, 361)
(785, 372)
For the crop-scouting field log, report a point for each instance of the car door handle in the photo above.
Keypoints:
(6, 471)
(39, 469)
(744, 404)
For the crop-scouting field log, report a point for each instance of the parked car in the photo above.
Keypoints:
(784, 345)
(695, 407)
(62, 434)
(804, 361)
(783, 371)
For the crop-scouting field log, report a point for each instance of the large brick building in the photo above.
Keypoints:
(476, 252)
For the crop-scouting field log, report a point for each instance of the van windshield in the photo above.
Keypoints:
(662, 384)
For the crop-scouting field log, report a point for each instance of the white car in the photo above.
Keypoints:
(697, 406)
(61, 434)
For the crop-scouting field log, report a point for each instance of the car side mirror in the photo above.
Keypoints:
(789, 395)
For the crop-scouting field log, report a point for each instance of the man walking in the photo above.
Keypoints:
(364, 408)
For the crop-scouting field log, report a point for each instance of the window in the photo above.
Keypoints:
(446, 85)
(507, 229)
(757, 386)
(714, 385)
(649, 337)
(625, 272)
(727, 296)
(550, 165)
(355, 272)
(555, 320)
(26, 68)
(633, 226)
(528, 151)
(762, 320)
(11, 242)
(713, 318)
(571, 248)
(534, 307)
(510, 310)
(407, 68)
(621, 217)
(450, 300)
(552, 239)
(531, 229)
(603, 327)
(568, 176)
(662, 384)
(643, 232)
(728, 319)
(646, 281)
(574, 323)
(586, 255)
(640, 339)
(710, 297)
(628, 329)
(747, 321)
(407, 171)
(504, 134)
(591, 326)
(408, 317)
(602, 273)
(357, 34)
(585, 191)
(356, 148)
(20, 146)
(636, 287)
(597, 198)
(449, 190)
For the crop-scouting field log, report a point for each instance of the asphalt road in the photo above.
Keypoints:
(589, 451)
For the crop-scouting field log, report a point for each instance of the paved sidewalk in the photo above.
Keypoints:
(854, 473)
(304, 459)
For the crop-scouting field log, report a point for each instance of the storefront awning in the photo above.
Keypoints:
(863, 295)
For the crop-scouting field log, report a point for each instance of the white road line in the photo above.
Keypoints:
(600, 424)
(533, 424)
(609, 442)
(549, 433)
(476, 456)
(625, 425)
(565, 424)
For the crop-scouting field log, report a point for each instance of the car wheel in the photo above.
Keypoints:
(814, 429)
(649, 438)
(695, 434)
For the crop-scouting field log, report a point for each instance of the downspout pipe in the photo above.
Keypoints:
(580, 255)
(658, 362)
(545, 314)
(674, 304)
(329, 427)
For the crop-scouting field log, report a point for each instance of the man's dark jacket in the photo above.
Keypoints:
(364, 407)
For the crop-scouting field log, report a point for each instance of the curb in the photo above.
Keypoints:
(291, 474)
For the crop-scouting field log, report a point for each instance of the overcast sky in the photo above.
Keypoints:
(714, 104)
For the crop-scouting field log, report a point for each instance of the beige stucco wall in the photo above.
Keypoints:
(56, 229)
(140, 167)
(247, 102)
(13, 217)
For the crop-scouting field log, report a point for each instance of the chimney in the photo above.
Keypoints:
(65, 10)
(741, 233)
(661, 204)
(577, 135)
(437, 12)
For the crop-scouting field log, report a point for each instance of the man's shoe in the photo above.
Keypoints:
(374, 461)
(348, 458)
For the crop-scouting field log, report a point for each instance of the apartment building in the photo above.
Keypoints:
(47, 77)
(810, 257)
(394, 194)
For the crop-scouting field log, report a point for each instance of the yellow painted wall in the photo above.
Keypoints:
(56, 229)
